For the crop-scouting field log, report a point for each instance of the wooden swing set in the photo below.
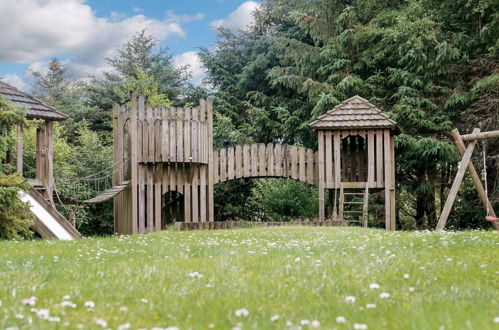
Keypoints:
(466, 164)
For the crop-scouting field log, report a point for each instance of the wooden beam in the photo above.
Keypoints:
(20, 150)
(457, 183)
(481, 136)
(475, 177)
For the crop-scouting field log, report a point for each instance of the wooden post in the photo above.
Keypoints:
(20, 150)
(41, 152)
(388, 179)
(321, 176)
(457, 183)
(474, 176)
(133, 164)
(211, 203)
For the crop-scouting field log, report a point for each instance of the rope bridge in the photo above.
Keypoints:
(92, 189)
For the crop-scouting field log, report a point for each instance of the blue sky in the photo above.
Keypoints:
(82, 32)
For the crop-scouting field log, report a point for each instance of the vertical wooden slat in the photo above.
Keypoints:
(165, 136)
(202, 193)
(294, 162)
(187, 136)
(246, 161)
(262, 163)
(211, 199)
(158, 168)
(371, 165)
(150, 133)
(310, 166)
(180, 134)
(301, 159)
(321, 174)
(223, 165)
(239, 162)
(216, 166)
(195, 193)
(173, 131)
(337, 160)
(142, 202)
(133, 163)
(254, 160)
(388, 173)
(329, 159)
(278, 159)
(150, 198)
(230, 163)
(270, 159)
(187, 194)
(194, 137)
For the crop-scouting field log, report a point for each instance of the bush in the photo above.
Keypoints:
(283, 200)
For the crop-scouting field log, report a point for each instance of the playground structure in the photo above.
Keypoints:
(167, 166)
(48, 222)
(466, 164)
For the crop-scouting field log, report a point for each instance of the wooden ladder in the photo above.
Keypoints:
(351, 197)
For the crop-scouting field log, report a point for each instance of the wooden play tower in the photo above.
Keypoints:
(167, 167)
(356, 156)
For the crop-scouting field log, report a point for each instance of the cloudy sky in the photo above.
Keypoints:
(83, 32)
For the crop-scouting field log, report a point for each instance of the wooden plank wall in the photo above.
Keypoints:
(352, 156)
(169, 153)
(172, 135)
(264, 161)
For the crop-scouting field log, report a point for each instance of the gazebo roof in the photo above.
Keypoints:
(35, 109)
(354, 113)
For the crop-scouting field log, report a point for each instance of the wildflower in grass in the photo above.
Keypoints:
(315, 324)
(384, 295)
(496, 319)
(144, 300)
(100, 322)
(371, 306)
(89, 304)
(373, 286)
(66, 297)
(43, 314)
(211, 326)
(195, 274)
(66, 303)
(243, 312)
(29, 301)
(123, 309)
(54, 319)
(411, 289)
(274, 318)
(341, 319)
(350, 299)
(406, 276)
(360, 326)
(19, 316)
(304, 322)
(124, 326)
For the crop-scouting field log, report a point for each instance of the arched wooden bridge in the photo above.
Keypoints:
(265, 161)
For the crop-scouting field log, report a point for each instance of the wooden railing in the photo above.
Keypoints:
(265, 161)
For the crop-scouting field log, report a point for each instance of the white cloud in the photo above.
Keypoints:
(192, 60)
(172, 17)
(15, 80)
(239, 19)
(33, 30)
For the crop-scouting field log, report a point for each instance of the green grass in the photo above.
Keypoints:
(297, 273)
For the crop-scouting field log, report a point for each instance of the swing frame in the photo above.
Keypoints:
(467, 164)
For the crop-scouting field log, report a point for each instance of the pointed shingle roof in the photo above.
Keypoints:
(35, 109)
(354, 113)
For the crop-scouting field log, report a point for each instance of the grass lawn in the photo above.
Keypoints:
(257, 278)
